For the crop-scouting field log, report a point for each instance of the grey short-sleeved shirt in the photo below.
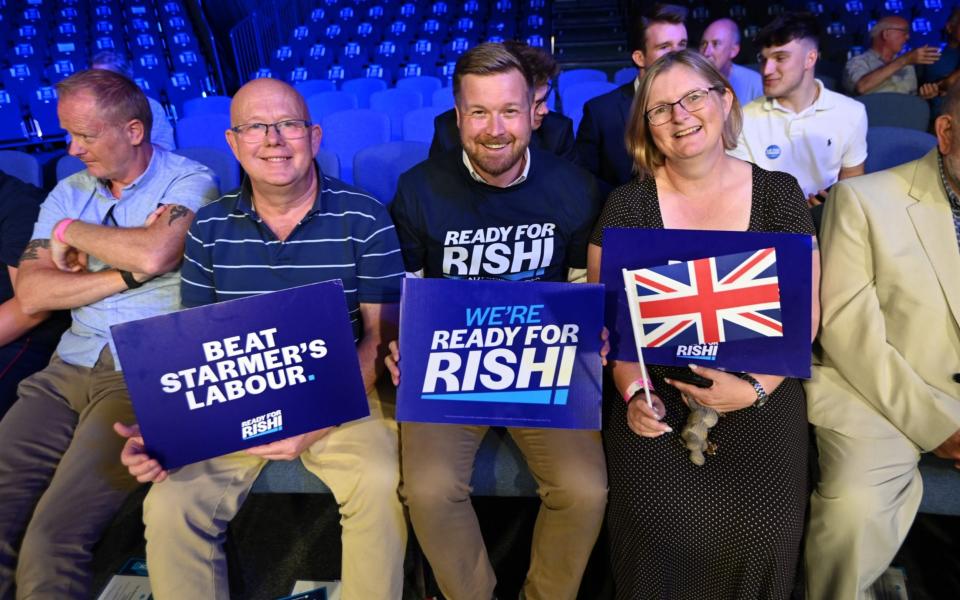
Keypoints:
(903, 81)
(168, 179)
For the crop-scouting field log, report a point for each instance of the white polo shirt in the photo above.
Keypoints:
(812, 145)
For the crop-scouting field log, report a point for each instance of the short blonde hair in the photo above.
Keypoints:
(640, 145)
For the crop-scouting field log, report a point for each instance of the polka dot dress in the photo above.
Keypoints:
(731, 528)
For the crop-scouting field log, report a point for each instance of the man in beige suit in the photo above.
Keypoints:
(886, 387)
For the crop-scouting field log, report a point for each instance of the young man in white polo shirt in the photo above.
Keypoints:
(799, 126)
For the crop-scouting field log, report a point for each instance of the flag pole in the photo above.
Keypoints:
(633, 304)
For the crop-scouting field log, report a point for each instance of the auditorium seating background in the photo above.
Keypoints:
(375, 73)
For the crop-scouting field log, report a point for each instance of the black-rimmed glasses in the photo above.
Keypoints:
(692, 101)
(289, 129)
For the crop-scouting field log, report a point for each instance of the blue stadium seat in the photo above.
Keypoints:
(396, 102)
(180, 88)
(12, 126)
(378, 71)
(21, 78)
(440, 9)
(190, 62)
(206, 105)
(896, 110)
(376, 13)
(433, 30)
(221, 162)
(318, 60)
(353, 58)
(418, 124)
(336, 73)
(424, 52)
(366, 32)
(60, 69)
(891, 146)
(310, 87)
(414, 69)
(333, 35)
(283, 59)
(328, 162)
(471, 8)
(408, 10)
(207, 130)
(388, 54)
(505, 28)
(362, 88)
(446, 71)
(347, 17)
(43, 110)
(152, 68)
(347, 132)
(22, 166)
(425, 85)
(263, 73)
(535, 41)
(376, 169)
(466, 27)
(574, 96)
(400, 32)
(575, 76)
(455, 47)
(68, 165)
(301, 38)
(326, 103)
(443, 98)
(624, 75)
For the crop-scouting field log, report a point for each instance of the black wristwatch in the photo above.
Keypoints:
(761, 393)
(128, 279)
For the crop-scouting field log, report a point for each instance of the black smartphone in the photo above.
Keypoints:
(687, 376)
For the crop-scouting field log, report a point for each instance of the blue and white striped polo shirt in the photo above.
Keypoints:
(231, 253)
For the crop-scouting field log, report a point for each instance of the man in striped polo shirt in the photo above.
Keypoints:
(287, 225)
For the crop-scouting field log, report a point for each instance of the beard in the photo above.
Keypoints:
(499, 163)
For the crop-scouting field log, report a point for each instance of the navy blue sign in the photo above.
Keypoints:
(211, 380)
(500, 353)
(738, 300)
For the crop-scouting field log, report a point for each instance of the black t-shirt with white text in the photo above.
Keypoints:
(453, 226)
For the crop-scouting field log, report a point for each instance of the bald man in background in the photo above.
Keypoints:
(720, 44)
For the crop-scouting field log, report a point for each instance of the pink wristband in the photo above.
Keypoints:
(60, 228)
(636, 386)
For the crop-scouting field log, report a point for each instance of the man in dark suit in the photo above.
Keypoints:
(552, 131)
(600, 142)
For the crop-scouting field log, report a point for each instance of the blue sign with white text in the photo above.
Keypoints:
(736, 300)
(211, 380)
(500, 353)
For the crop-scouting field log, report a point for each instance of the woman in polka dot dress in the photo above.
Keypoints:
(730, 528)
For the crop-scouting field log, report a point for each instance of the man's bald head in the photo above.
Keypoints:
(259, 88)
(720, 44)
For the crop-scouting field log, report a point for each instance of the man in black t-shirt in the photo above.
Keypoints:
(552, 132)
(26, 341)
(498, 210)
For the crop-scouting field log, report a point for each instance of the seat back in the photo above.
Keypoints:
(223, 163)
(206, 105)
(347, 132)
(21, 165)
(574, 97)
(326, 103)
(891, 146)
(396, 103)
(362, 88)
(204, 130)
(376, 169)
(896, 110)
(418, 124)
(424, 84)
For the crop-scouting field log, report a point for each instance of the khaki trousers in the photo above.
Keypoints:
(61, 481)
(860, 512)
(570, 469)
(186, 516)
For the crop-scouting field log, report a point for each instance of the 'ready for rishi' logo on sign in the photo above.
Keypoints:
(219, 378)
(500, 353)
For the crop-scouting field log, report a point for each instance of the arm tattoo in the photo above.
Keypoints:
(30, 252)
(177, 211)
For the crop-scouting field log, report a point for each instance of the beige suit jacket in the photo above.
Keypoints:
(890, 308)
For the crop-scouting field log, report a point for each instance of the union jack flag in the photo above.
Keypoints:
(708, 300)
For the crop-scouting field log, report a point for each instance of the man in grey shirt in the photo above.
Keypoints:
(880, 69)
(107, 245)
